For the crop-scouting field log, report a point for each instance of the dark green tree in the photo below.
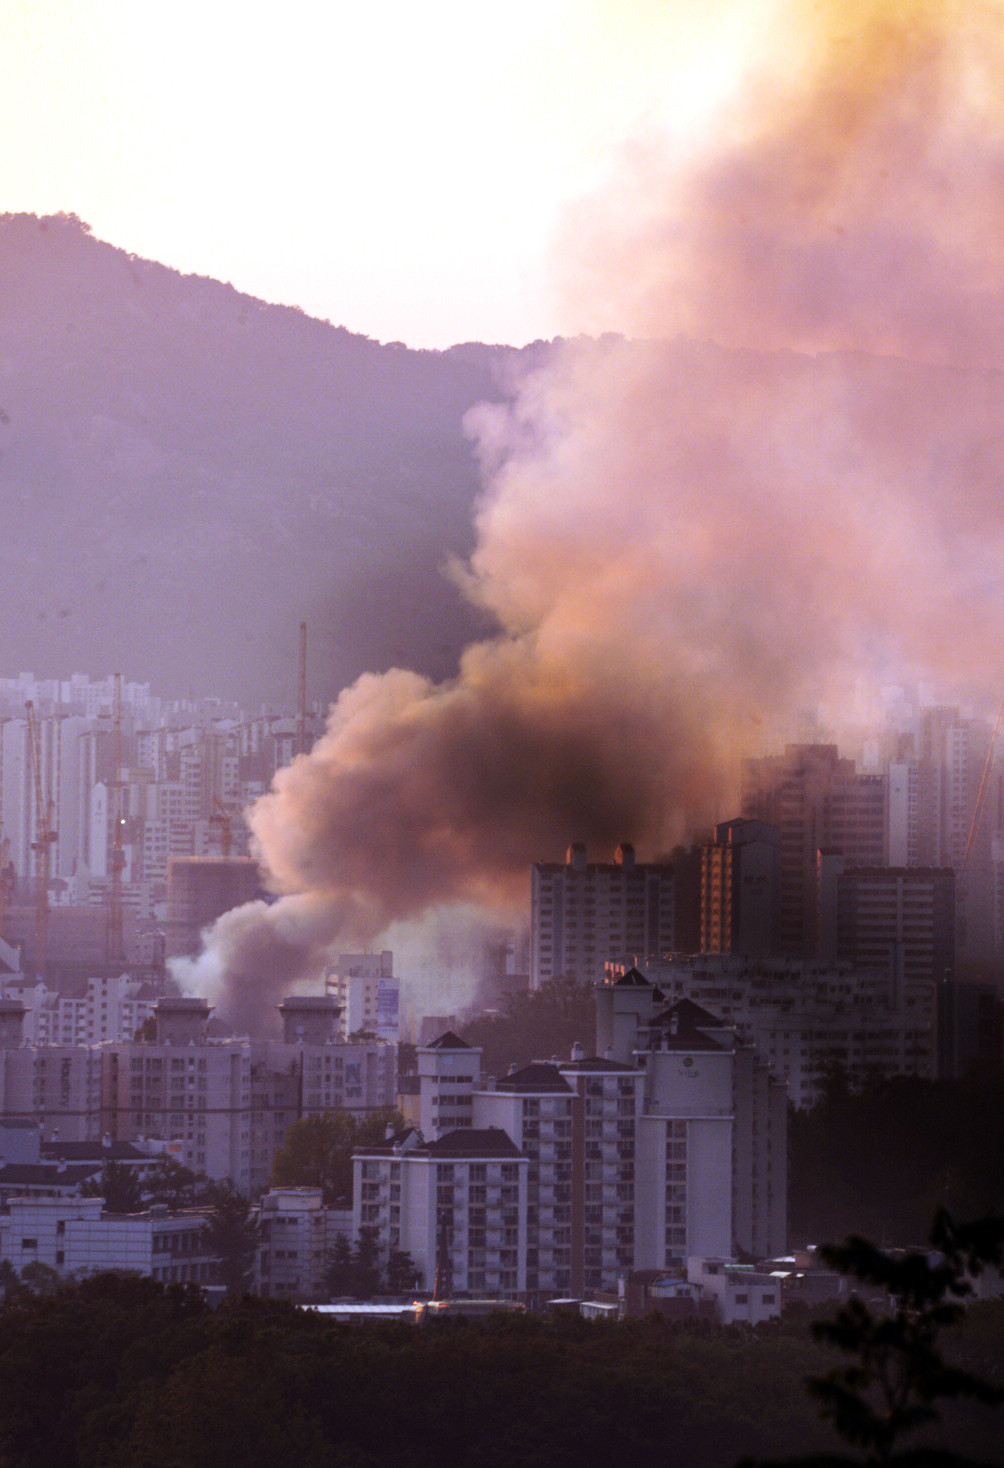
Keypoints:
(402, 1275)
(366, 1265)
(120, 1187)
(317, 1151)
(173, 1184)
(231, 1234)
(40, 1278)
(534, 1026)
(339, 1278)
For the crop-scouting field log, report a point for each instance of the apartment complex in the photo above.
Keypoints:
(805, 1019)
(669, 1143)
(221, 1107)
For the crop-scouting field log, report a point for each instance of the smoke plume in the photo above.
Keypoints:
(787, 481)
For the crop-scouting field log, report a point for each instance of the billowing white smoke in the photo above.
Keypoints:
(685, 537)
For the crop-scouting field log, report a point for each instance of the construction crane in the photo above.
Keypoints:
(6, 879)
(116, 944)
(221, 817)
(45, 838)
(984, 788)
(301, 694)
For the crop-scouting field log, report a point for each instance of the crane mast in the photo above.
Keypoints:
(116, 948)
(301, 693)
(45, 838)
(984, 788)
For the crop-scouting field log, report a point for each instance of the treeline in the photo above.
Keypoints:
(534, 1026)
(118, 1371)
(878, 1161)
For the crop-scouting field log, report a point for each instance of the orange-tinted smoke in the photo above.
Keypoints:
(850, 199)
(685, 540)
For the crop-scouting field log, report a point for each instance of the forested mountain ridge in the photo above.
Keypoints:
(186, 472)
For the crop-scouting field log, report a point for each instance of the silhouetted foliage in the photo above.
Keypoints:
(534, 1026)
(402, 1275)
(354, 1271)
(899, 1376)
(117, 1372)
(317, 1151)
(231, 1235)
(120, 1187)
(175, 1185)
(880, 1160)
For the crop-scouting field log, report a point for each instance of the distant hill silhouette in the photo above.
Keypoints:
(186, 472)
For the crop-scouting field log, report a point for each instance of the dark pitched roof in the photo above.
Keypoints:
(25, 1174)
(633, 979)
(683, 1026)
(94, 1152)
(540, 1075)
(489, 1141)
(694, 1014)
(449, 1041)
(595, 1064)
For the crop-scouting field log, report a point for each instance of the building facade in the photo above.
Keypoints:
(582, 913)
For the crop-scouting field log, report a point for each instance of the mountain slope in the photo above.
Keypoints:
(186, 472)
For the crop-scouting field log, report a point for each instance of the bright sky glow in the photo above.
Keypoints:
(397, 168)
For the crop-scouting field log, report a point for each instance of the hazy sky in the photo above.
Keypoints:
(398, 168)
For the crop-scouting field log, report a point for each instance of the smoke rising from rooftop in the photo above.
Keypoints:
(788, 482)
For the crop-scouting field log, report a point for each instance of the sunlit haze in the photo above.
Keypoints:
(397, 169)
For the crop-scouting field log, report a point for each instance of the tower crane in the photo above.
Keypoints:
(45, 838)
(301, 693)
(6, 879)
(116, 946)
(984, 788)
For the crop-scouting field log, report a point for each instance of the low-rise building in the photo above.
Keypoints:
(742, 1295)
(76, 1237)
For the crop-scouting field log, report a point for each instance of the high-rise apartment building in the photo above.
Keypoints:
(816, 800)
(582, 913)
(741, 889)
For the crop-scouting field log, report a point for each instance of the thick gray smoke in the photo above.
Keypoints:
(684, 539)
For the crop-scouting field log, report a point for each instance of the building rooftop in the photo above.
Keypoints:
(448, 1041)
(594, 1065)
(489, 1141)
(539, 1076)
(94, 1152)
